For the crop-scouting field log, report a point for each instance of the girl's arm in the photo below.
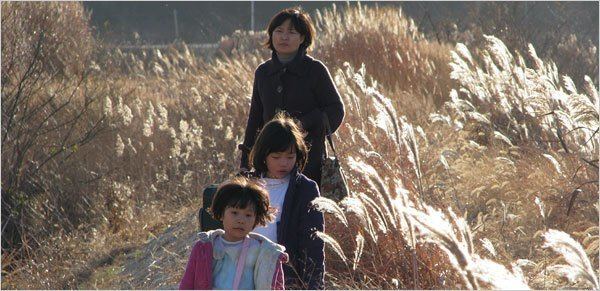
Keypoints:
(329, 98)
(255, 123)
(198, 273)
(187, 282)
(278, 278)
(311, 247)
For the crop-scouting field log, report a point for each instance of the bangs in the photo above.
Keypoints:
(282, 142)
(298, 25)
(294, 18)
(241, 199)
(242, 193)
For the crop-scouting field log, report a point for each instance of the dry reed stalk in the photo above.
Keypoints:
(412, 61)
(327, 205)
(179, 145)
(579, 265)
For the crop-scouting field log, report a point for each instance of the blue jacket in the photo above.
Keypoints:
(296, 231)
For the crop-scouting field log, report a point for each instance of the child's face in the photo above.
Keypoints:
(238, 222)
(280, 164)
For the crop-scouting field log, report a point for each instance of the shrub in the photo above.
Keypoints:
(47, 100)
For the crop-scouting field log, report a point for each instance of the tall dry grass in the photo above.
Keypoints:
(565, 37)
(483, 153)
(161, 142)
(392, 49)
(494, 158)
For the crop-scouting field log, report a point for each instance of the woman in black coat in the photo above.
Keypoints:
(295, 82)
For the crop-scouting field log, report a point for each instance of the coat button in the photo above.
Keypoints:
(279, 89)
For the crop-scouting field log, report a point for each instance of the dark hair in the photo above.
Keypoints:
(301, 22)
(240, 192)
(278, 135)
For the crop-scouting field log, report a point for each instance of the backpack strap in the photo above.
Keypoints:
(240, 264)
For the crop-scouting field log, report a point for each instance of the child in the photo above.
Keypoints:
(278, 157)
(233, 257)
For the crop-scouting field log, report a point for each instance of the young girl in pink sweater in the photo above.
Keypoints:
(234, 257)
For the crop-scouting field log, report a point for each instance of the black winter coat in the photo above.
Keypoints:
(304, 88)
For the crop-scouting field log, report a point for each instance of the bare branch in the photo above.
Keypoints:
(20, 87)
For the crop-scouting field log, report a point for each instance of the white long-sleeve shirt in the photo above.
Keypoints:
(277, 189)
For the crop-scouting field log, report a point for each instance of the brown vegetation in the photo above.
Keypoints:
(510, 146)
(49, 112)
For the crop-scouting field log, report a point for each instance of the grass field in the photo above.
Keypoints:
(471, 165)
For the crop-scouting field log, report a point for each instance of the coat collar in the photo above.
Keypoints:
(266, 244)
(298, 65)
(294, 175)
(288, 204)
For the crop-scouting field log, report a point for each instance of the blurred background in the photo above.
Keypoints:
(119, 22)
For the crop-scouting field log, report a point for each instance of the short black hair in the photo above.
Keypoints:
(240, 192)
(279, 135)
(301, 22)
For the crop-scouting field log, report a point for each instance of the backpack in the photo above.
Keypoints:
(205, 219)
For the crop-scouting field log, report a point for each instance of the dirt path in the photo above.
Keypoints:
(157, 264)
